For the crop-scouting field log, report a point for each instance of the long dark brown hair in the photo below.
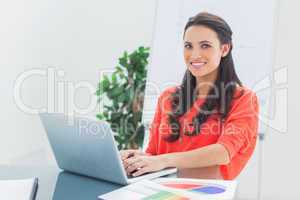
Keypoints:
(220, 96)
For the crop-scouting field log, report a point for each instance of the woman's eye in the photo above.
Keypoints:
(205, 46)
(187, 46)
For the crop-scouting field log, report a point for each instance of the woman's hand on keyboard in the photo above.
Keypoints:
(125, 154)
(141, 164)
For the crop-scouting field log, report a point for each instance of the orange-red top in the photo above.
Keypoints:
(237, 133)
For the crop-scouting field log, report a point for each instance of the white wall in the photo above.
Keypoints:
(280, 177)
(79, 37)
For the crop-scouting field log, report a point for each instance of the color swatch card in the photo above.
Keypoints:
(200, 188)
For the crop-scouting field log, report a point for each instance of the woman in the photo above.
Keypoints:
(208, 124)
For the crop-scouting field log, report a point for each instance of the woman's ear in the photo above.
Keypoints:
(225, 49)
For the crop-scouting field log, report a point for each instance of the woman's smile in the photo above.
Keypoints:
(197, 65)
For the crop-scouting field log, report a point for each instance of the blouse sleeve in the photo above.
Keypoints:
(241, 126)
(154, 131)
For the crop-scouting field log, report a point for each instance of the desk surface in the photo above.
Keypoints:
(56, 184)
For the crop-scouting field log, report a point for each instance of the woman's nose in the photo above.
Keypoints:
(196, 54)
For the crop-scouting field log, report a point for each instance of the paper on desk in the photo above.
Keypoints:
(24, 189)
(140, 190)
(166, 188)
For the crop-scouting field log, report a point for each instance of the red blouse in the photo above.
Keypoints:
(237, 133)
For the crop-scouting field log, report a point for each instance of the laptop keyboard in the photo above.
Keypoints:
(130, 176)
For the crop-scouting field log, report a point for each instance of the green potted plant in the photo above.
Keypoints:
(122, 94)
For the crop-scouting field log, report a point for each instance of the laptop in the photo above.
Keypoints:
(87, 147)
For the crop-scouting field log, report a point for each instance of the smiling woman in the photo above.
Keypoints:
(203, 52)
(210, 121)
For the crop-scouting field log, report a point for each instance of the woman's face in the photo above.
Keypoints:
(203, 52)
